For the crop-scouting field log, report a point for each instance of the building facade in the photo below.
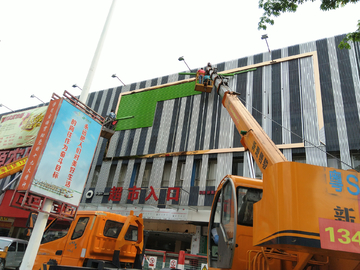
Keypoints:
(173, 145)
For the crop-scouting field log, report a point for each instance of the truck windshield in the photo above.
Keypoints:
(4, 244)
(56, 230)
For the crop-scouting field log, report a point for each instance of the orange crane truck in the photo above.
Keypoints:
(299, 216)
(93, 240)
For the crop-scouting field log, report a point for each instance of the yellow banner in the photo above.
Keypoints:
(12, 167)
(20, 129)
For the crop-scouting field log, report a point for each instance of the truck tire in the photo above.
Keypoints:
(2, 264)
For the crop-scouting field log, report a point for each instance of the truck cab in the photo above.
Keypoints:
(92, 239)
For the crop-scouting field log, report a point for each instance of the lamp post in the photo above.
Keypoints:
(181, 58)
(33, 96)
(2, 105)
(265, 36)
(114, 76)
(76, 86)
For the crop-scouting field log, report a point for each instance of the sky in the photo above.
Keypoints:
(46, 46)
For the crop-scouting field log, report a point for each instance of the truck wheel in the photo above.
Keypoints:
(2, 264)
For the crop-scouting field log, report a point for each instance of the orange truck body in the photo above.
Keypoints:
(298, 216)
(93, 239)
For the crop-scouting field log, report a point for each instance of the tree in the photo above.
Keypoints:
(273, 8)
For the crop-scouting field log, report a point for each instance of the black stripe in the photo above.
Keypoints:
(156, 127)
(200, 121)
(276, 109)
(107, 103)
(119, 143)
(241, 83)
(213, 121)
(130, 142)
(293, 240)
(257, 90)
(98, 100)
(348, 95)
(154, 82)
(173, 126)
(142, 84)
(217, 130)
(91, 98)
(186, 123)
(295, 104)
(327, 96)
(142, 141)
(203, 124)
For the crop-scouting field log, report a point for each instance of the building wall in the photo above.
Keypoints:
(307, 105)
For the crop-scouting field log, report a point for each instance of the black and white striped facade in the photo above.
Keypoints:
(312, 90)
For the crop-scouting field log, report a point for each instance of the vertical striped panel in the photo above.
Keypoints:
(193, 128)
(156, 176)
(339, 108)
(165, 127)
(327, 96)
(187, 180)
(129, 172)
(203, 175)
(348, 95)
(285, 100)
(100, 185)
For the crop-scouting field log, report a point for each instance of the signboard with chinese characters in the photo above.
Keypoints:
(343, 231)
(59, 162)
(20, 129)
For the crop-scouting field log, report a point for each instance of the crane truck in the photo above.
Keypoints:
(93, 240)
(299, 216)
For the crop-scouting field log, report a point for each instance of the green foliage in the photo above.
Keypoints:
(273, 8)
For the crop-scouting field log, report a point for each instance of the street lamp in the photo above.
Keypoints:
(114, 76)
(33, 96)
(265, 37)
(2, 105)
(76, 86)
(181, 58)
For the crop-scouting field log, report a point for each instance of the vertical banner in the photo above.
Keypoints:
(62, 169)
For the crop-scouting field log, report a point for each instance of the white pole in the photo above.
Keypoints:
(91, 73)
(35, 238)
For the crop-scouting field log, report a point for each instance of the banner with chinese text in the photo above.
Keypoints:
(64, 164)
(20, 129)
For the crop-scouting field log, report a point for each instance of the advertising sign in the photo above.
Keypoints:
(58, 166)
(20, 129)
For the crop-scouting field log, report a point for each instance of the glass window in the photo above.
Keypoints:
(111, 176)
(246, 199)
(21, 247)
(211, 173)
(57, 229)
(180, 174)
(237, 168)
(121, 179)
(112, 228)
(80, 228)
(132, 234)
(95, 177)
(166, 174)
(228, 213)
(12, 247)
(146, 178)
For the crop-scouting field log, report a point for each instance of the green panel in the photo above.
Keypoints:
(137, 110)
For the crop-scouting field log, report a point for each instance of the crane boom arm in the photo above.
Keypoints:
(253, 137)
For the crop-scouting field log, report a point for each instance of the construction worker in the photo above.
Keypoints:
(200, 75)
